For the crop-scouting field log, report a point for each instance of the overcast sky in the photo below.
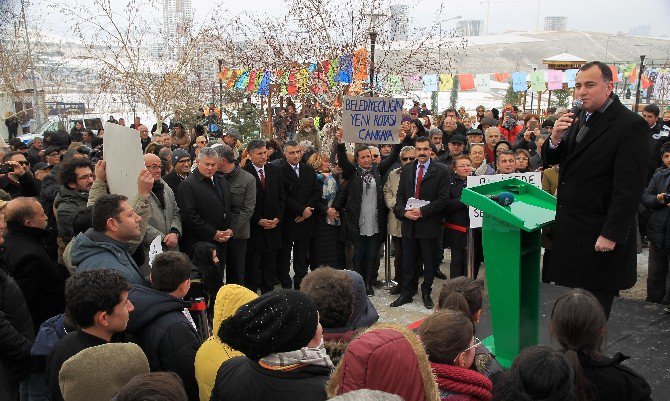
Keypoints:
(617, 15)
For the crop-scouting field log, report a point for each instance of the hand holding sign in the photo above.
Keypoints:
(372, 119)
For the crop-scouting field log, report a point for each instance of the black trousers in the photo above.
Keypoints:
(657, 278)
(300, 249)
(459, 262)
(236, 256)
(412, 249)
(606, 298)
(260, 269)
(365, 252)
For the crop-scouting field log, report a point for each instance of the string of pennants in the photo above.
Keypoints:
(352, 69)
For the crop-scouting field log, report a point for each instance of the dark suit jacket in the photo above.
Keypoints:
(301, 192)
(204, 208)
(270, 203)
(434, 188)
(600, 185)
(173, 180)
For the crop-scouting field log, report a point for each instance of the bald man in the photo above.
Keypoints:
(42, 283)
(165, 220)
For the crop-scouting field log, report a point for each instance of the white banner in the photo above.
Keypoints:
(476, 215)
(123, 155)
(371, 119)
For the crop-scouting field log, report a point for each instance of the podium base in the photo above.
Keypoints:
(489, 343)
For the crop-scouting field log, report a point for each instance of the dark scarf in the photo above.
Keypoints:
(457, 380)
(159, 190)
(233, 171)
(367, 178)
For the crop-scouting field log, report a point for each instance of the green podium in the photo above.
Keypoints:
(512, 249)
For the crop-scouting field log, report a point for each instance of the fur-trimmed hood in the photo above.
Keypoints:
(388, 358)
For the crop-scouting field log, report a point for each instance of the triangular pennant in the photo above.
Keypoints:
(501, 76)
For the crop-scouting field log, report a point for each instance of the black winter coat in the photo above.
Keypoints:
(456, 213)
(349, 197)
(270, 204)
(613, 381)
(240, 379)
(173, 180)
(434, 188)
(40, 279)
(658, 227)
(166, 336)
(27, 186)
(16, 334)
(204, 208)
(600, 184)
(301, 192)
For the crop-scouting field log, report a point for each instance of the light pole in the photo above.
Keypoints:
(220, 61)
(373, 41)
(36, 106)
(639, 78)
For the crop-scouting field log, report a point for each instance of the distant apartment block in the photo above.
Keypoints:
(555, 23)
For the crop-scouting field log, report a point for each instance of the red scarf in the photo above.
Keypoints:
(462, 381)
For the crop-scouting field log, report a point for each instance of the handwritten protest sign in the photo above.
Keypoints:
(371, 119)
(123, 155)
(476, 215)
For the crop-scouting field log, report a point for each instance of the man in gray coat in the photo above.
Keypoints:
(165, 220)
(105, 245)
(242, 203)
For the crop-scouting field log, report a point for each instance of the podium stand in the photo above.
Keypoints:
(511, 240)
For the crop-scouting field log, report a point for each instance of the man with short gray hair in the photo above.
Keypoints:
(242, 202)
(204, 203)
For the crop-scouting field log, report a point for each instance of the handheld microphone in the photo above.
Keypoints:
(503, 198)
(576, 107)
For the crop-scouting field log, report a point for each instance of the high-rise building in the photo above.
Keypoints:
(396, 25)
(177, 20)
(642, 30)
(472, 27)
(555, 23)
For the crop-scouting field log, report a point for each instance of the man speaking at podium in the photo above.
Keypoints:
(602, 150)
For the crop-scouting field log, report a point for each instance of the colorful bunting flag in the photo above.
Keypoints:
(570, 77)
(361, 64)
(467, 82)
(394, 84)
(302, 78)
(292, 87)
(519, 81)
(264, 87)
(430, 83)
(446, 82)
(483, 82)
(632, 76)
(645, 82)
(346, 69)
(501, 76)
(537, 81)
(223, 74)
(252, 81)
(555, 80)
(615, 74)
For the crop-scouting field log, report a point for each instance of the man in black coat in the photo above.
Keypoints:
(266, 236)
(159, 323)
(181, 168)
(361, 205)
(302, 195)
(27, 260)
(97, 301)
(204, 203)
(16, 335)
(20, 181)
(425, 180)
(603, 158)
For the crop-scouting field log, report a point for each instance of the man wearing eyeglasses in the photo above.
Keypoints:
(165, 220)
(19, 181)
(407, 155)
(181, 168)
(421, 179)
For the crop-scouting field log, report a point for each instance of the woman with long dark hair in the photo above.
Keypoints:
(578, 323)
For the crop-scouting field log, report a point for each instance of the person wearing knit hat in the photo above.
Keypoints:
(98, 373)
(281, 336)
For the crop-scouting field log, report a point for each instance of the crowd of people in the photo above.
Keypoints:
(85, 315)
